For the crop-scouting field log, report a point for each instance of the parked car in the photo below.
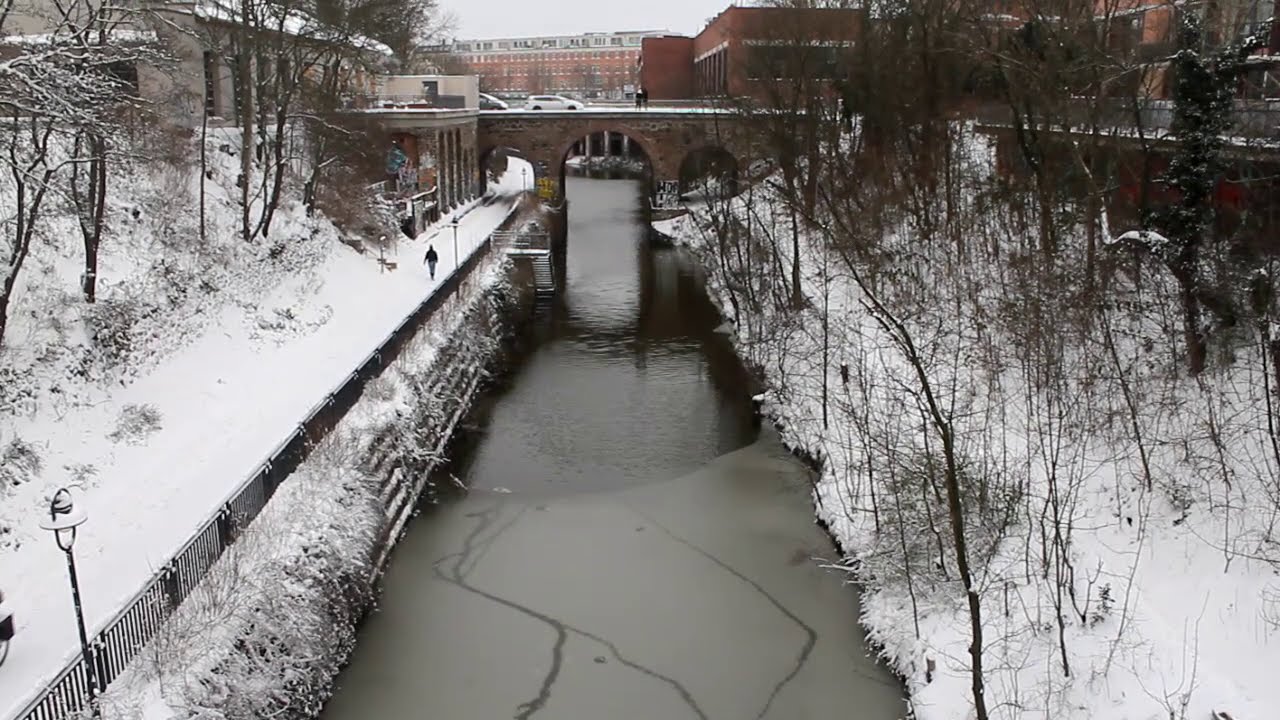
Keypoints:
(489, 102)
(551, 102)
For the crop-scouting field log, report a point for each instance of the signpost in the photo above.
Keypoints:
(546, 188)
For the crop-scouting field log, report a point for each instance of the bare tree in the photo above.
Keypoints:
(69, 82)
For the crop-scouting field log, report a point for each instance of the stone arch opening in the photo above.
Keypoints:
(710, 169)
(493, 162)
(619, 148)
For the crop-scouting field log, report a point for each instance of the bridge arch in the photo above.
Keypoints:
(493, 161)
(665, 136)
(709, 166)
(633, 139)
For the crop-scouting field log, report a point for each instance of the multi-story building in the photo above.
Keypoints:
(739, 51)
(593, 65)
(199, 80)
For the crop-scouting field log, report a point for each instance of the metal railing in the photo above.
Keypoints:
(522, 240)
(421, 101)
(123, 637)
(1252, 119)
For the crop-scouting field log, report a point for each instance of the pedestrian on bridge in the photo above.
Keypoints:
(431, 259)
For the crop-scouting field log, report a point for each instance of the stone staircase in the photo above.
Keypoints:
(544, 275)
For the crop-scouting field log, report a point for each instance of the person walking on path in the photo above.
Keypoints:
(431, 259)
(644, 99)
(639, 98)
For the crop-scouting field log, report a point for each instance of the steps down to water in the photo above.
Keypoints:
(544, 276)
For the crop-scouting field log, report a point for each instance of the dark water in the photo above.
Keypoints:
(631, 547)
(627, 383)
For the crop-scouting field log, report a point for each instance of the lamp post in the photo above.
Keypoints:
(457, 261)
(524, 179)
(63, 520)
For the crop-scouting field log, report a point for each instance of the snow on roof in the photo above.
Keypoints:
(120, 35)
(295, 22)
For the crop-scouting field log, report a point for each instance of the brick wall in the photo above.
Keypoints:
(719, 55)
(586, 72)
(667, 69)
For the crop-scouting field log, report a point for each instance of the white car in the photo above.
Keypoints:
(489, 102)
(551, 102)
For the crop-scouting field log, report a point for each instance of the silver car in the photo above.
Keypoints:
(551, 102)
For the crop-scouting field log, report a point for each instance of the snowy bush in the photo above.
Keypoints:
(111, 325)
(20, 463)
(135, 423)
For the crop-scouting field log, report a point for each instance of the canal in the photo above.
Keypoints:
(632, 546)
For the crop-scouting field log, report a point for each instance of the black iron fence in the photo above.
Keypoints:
(124, 636)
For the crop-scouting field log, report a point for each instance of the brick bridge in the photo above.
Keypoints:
(666, 136)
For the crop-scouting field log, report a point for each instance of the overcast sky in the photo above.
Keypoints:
(513, 18)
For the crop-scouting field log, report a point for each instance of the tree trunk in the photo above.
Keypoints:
(1197, 343)
(245, 111)
(98, 201)
(966, 574)
(204, 172)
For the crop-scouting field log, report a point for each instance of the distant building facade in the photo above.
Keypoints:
(592, 65)
(740, 48)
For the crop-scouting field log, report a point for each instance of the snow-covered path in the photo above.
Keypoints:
(226, 401)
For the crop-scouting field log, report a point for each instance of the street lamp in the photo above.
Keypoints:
(63, 520)
(524, 179)
(457, 261)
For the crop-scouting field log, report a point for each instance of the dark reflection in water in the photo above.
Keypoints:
(627, 380)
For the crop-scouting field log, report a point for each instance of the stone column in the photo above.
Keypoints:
(608, 144)
(453, 168)
(460, 192)
(471, 173)
(442, 172)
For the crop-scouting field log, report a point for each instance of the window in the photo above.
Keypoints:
(615, 41)
(779, 62)
(126, 74)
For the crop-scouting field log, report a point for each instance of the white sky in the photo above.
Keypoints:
(478, 19)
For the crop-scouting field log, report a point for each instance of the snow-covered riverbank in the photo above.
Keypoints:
(1166, 577)
(220, 349)
(274, 621)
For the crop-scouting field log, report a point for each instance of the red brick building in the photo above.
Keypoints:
(594, 65)
(666, 70)
(743, 47)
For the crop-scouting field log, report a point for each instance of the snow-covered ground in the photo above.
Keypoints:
(201, 390)
(1169, 594)
(295, 570)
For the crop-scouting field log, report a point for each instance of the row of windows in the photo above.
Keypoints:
(558, 55)
(543, 72)
(555, 42)
(613, 67)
